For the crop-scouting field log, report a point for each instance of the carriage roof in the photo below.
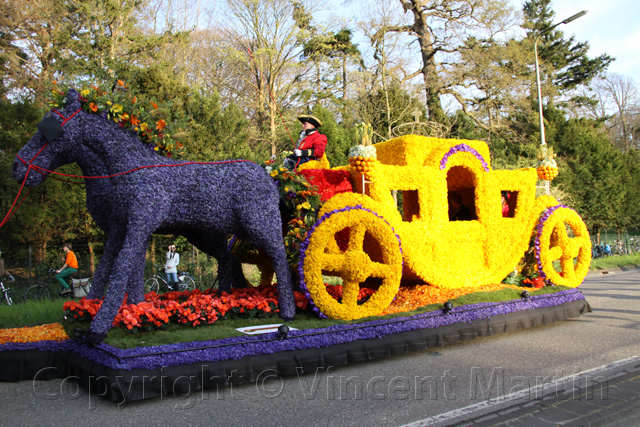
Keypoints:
(416, 150)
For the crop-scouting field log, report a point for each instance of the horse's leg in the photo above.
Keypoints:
(133, 249)
(135, 285)
(111, 251)
(229, 269)
(268, 236)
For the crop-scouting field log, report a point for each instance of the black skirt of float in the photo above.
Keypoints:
(119, 384)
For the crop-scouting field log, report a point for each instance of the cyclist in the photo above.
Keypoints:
(4, 273)
(70, 266)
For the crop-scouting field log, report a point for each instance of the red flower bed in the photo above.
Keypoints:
(193, 308)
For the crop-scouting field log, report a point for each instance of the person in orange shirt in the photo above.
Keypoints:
(70, 266)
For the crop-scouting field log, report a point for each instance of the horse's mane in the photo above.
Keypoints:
(124, 110)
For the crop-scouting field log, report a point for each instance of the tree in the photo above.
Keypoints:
(48, 212)
(335, 46)
(385, 110)
(266, 50)
(619, 101)
(440, 27)
(35, 36)
(592, 170)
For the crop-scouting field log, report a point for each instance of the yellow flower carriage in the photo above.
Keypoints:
(364, 237)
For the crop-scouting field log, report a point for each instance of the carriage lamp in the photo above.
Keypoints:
(283, 331)
(448, 306)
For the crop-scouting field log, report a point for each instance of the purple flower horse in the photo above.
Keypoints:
(130, 202)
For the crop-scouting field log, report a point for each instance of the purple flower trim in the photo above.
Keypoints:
(466, 149)
(235, 348)
(539, 227)
(305, 245)
(38, 345)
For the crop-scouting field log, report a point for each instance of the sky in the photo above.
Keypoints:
(611, 27)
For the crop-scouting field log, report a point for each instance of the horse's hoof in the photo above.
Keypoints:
(93, 338)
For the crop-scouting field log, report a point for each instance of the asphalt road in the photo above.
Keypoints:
(424, 388)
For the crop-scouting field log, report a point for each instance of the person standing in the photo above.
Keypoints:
(70, 266)
(310, 145)
(4, 273)
(505, 204)
(171, 267)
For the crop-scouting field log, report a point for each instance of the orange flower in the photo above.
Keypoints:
(160, 124)
(135, 121)
(154, 105)
(93, 107)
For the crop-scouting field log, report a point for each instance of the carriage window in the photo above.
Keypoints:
(509, 201)
(407, 204)
(461, 189)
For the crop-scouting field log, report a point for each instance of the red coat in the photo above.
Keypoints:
(317, 141)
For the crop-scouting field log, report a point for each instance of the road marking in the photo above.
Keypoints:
(519, 395)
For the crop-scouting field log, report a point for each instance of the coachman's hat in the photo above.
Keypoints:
(306, 118)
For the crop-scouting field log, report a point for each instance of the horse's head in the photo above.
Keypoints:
(51, 146)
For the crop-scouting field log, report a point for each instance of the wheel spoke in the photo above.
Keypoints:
(381, 271)
(356, 237)
(350, 291)
(555, 253)
(332, 262)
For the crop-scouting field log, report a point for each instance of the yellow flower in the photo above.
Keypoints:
(117, 108)
(286, 189)
(274, 173)
(143, 126)
(306, 205)
(85, 92)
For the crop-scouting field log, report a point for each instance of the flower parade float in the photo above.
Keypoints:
(382, 230)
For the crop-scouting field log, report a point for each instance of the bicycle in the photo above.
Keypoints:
(186, 282)
(5, 293)
(620, 248)
(40, 291)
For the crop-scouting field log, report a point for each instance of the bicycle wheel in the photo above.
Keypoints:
(37, 292)
(189, 283)
(151, 285)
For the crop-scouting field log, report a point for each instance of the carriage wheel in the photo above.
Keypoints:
(562, 236)
(373, 251)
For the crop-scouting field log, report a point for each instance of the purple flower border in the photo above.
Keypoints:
(466, 149)
(235, 348)
(305, 245)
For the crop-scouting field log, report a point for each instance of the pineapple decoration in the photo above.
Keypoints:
(547, 167)
(363, 157)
